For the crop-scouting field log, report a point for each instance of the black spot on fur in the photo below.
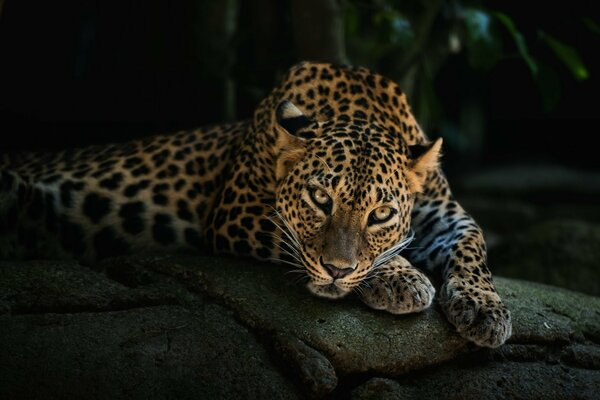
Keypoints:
(113, 182)
(267, 225)
(132, 214)
(162, 231)
(234, 231)
(190, 168)
(133, 189)
(179, 184)
(66, 192)
(132, 162)
(183, 211)
(192, 237)
(234, 213)
(160, 199)
(265, 239)
(142, 170)
(256, 210)
(247, 222)
(161, 187)
(201, 210)
(160, 157)
(229, 196)
(96, 206)
(242, 247)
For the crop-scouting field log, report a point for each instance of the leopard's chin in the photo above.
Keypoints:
(330, 291)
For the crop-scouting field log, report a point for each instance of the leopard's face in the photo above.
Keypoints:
(345, 205)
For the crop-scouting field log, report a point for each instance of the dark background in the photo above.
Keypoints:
(79, 72)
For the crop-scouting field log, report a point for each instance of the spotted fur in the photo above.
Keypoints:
(332, 175)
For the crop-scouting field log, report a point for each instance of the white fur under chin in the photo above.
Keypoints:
(330, 291)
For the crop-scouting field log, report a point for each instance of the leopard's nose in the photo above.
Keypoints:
(335, 272)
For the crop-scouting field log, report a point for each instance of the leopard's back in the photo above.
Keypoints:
(146, 195)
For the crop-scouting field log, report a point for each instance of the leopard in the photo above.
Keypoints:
(332, 175)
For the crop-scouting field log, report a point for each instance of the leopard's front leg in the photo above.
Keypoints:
(397, 287)
(449, 241)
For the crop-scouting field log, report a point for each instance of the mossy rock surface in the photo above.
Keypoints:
(209, 327)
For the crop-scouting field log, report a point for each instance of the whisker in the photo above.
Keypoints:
(285, 262)
(289, 232)
(289, 248)
(285, 231)
(295, 271)
(326, 165)
(394, 250)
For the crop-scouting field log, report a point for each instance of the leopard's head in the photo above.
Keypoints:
(345, 193)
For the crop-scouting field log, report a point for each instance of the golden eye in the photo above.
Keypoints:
(321, 199)
(381, 214)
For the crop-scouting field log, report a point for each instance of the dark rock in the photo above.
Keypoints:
(315, 371)
(207, 327)
(533, 181)
(36, 287)
(382, 389)
(581, 356)
(501, 217)
(560, 252)
(147, 353)
(476, 380)
(353, 337)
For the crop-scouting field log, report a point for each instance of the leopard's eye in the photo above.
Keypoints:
(321, 199)
(381, 215)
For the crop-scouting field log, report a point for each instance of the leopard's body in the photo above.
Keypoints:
(332, 175)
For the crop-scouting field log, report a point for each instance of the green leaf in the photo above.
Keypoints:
(591, 25)
(482, 43)
(478, 24)
(393, 27)
(568, 55)
(519, 40)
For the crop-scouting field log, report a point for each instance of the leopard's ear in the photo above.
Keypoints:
(291, 132)
(291, 119)
(424, 159)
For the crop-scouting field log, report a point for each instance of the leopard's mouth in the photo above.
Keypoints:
(329, 290)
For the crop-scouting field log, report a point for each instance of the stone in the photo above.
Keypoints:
(534, 180)
(70, 332)
(382, 389)
(314, 370)
(211, 327)
(551, 252)
(500, 217)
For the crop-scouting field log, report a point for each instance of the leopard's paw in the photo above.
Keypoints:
(398, 292)
(478, 315)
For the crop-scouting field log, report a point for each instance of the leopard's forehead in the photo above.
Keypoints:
(361, 164)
